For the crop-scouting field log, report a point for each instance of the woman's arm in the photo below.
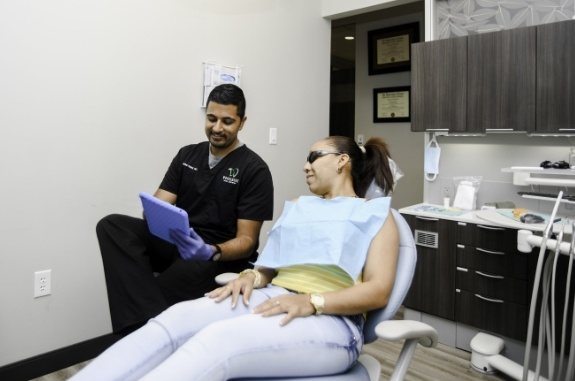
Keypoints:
(378, 276)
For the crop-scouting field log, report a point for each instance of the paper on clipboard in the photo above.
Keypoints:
(215, 74)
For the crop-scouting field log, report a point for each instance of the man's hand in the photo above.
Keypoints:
(191, 246)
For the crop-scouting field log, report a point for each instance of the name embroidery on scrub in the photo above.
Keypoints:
(189, 166)
(232, 176)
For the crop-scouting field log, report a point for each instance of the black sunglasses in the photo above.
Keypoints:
(314, 155)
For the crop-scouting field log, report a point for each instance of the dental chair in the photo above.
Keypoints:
(379, 324)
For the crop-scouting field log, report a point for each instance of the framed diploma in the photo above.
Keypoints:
(392, 104)
(389, 49)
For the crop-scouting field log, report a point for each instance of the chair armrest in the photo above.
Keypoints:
(225, 278)
(395, 330)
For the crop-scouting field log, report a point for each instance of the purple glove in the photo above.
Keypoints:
(191, 246)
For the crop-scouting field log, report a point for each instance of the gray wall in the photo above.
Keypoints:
(485, 156)
(96, 97)
(406, 147)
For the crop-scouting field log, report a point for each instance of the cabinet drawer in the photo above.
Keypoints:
(494, 262)
(492, 286)
(506, 318)
(430, 224)
(488, 237)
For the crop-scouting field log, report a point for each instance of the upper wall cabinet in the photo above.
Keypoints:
(556, 77)
(439, 85)
(501, 81)
(518, 80)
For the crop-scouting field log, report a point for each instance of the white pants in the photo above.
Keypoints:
(204, 340)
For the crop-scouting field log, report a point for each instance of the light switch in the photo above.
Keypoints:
(360, 139)
(273, 136)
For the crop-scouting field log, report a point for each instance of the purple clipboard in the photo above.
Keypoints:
(162, 216)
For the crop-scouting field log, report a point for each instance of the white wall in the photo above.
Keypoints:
(96, 97)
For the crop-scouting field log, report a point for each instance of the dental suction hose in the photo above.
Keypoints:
(536, 281)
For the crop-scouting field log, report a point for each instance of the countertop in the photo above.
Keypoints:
(483, 217)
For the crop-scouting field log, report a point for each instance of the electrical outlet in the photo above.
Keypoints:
(446, 190)
(42, 283)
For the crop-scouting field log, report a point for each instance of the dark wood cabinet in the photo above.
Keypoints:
(519, 80)
(472, 274)
(491, 282)
(432, 289)
(501, 81)
(494, 315)
(439, 85)
(556, 77)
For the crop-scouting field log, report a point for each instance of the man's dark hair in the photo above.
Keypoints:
(228, 94)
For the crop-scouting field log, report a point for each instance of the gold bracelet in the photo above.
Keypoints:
(257, 275)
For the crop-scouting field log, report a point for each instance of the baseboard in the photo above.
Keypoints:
(49, 362)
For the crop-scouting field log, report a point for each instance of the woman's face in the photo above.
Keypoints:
(321, 167)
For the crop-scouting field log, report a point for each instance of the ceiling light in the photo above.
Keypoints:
(349, 38)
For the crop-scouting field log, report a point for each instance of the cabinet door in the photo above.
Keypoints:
(495, 315)
(433, 288)
(439, 85)
(556, 77)
(501, 81)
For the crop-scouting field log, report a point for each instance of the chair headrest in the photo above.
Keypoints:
(374, 190)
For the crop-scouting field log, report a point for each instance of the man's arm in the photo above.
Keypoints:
(166, 196)
(244, 243)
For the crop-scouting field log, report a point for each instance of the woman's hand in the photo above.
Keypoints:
(243, 285)
(293, 305)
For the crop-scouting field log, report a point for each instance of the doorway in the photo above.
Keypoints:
(342, 80)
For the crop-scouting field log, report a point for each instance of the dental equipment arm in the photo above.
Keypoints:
(486, 348)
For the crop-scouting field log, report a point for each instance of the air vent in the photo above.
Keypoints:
(427, 239)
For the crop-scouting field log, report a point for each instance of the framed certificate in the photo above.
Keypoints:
(392, 104)
(389, 49)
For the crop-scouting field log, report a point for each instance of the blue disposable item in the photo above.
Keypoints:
(162, 217)
(191, 245)
(313, 230)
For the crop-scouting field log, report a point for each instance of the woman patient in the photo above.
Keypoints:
(328, 259)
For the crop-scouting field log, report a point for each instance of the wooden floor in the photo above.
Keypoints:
(442, 363)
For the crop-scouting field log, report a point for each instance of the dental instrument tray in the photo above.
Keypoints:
(162, 216)
(567, 199)
(542, 176)
(525, 216)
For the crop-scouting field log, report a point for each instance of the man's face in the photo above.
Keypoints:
(222, 125)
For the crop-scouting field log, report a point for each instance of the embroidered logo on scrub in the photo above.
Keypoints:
(232, 177)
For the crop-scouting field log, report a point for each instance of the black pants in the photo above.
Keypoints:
(131, 256)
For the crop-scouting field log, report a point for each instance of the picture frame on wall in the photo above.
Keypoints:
(389, 49)
(392, 104)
